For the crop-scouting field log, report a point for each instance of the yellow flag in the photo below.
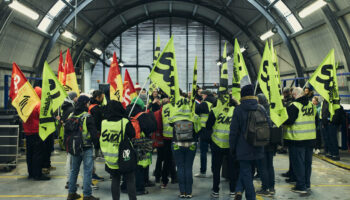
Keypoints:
(269, 86)
(325, 82)
(223, 88)
(240, 76)
(277, 68)
(52, 96)
(164, 73)
(194, 86)
(22, 94)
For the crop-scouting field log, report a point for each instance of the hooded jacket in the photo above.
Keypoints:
(238, 144)
(31, 126)
(90, 123)
(293, 113)
(147, 121)
(67, 109)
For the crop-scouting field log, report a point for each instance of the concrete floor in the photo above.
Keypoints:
(328, 182)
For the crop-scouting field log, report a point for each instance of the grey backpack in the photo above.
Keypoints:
(183, 130)
(258, 130)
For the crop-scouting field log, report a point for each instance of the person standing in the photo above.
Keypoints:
(203, 110)
(245, 153)
(116, 125)
(90, 138)
(301, 137)
(318, 146)
(184, 144)
(35, 146)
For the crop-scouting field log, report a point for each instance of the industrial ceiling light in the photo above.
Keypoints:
(97, 51)
(228, 58)
(121, 63)
(24, 10)
(218, 63)
(266, 35)
(53, 12)
(243, 49)
(312, 8)
(69, 35)
(44, 24)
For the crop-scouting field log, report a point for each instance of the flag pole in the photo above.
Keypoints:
(147, 98)
(305, 84)
(133, 106)
(256, 86)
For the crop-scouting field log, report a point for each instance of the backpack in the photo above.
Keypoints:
(73, 131)
(183, 130)
(127, 156)
(142, 145)
(258, 130)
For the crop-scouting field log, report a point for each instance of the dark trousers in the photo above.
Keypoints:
(168, 165)
(34, 155)
(290, 171)
(130, 182)
(267, 171)
(159, 163)
(48, 148)
(203, 146)
(245, 180)
(324, 132)
(217, 160)
(332, 134)
(301, 161)
(140, 178)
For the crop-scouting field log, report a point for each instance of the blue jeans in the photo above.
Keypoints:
(245, 179)
(87, 158)
(184, 158)
(302, 161)
(332, 134)
(203, 146)
(267, 171)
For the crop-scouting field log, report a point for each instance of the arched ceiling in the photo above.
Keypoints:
(100, 21)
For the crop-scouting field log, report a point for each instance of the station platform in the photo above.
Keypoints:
(328, 182)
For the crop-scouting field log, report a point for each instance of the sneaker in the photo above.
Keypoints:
(91, 198)
(316, 151)
(287, 175)
(189, 196)
(98, 178)
(238, 196)
(263, 192)
(163, 186)
(200, 175)
(73, 196)
(182, 195)
(94, 186)
(215, 195)
(294, 189)
(42, 178)
(272, 191)
(232, 194)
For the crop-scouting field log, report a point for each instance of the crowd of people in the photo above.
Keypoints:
(127, 137)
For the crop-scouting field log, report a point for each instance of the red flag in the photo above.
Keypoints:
(70, 79)
(129, 91)
(60, 73)
(23, 96)
(115, 81)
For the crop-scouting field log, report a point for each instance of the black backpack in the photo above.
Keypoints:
(258, 130)
(127, 155)
(73, 134)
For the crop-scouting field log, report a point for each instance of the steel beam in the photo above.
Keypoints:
(283, 35)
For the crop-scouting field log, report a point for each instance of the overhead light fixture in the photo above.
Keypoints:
(218, 63)
(24, 10)
(44, 24)
(312, 8)
(267, 35)
(69, 35)
(243, 49)
(111, 59)
(228, 58)
(57, 8)
(294, 23)
(97, 51)
(121, 64)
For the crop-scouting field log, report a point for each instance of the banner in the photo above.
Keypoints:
(194, 87)
(164, 73)
(70, 79)
(22, 94)
(274, 58)
(52, 97)
(115, 81)
(268, 83)
(240, 76)
(129, 91)
(325, 82)
(60, 73)
(223, 88)
(153, 86)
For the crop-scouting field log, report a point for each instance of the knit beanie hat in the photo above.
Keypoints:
(247, 90)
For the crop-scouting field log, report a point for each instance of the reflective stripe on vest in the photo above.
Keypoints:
(204, 116)
(221, 128)
(145, 162)
(304, 127)
(167, 129)
(181, 111)
(110, 140)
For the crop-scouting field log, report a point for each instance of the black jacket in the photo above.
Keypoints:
(293, 113)
(147, 121)
(90, 124)
(97, 113)
(203, 108)
(67, 109)
(153, 106)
